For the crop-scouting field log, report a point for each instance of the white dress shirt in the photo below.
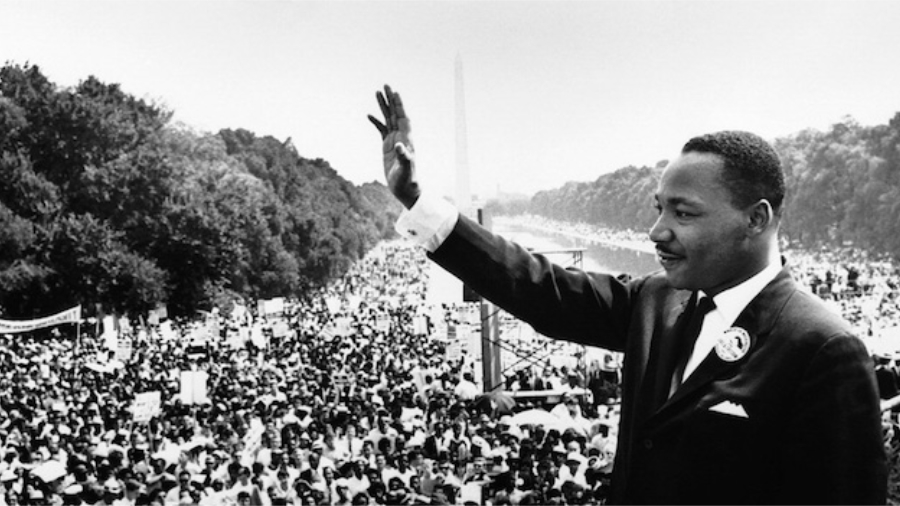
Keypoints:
(729, 305)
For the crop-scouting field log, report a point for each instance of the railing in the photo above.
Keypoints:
(547, 395)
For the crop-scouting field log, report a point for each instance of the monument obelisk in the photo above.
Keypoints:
(463, 195)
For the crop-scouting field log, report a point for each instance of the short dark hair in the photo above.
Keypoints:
(752, 167)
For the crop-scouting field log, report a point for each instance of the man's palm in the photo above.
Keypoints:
(397, 148)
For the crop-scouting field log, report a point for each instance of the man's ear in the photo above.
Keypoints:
(760, 216)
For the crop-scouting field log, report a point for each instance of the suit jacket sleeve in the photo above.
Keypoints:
(569, 304)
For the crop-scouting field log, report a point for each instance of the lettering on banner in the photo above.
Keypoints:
(15, 326)
(146, 405)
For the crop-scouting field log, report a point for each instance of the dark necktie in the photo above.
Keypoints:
(689, 338)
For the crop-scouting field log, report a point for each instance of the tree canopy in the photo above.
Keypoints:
(105, 203)
(843, 188)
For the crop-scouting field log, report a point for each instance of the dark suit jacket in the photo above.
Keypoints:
(813, 430)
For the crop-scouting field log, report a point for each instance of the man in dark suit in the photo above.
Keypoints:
(738, 386)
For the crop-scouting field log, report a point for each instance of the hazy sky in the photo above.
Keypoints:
(555, 91)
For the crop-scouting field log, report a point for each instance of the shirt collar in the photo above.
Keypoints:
(731, 302)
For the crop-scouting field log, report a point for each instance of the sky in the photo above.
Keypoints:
(555, 91)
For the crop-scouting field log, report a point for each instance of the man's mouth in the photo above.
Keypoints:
(667, 259)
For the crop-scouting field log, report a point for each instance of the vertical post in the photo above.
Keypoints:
(463, 194)
(490, 333)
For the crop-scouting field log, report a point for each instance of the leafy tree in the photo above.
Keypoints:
(843, 187)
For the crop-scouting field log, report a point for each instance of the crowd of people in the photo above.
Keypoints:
(346, 397)
(349, 396)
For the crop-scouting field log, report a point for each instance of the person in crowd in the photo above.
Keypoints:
(739, 385)
(466, 390)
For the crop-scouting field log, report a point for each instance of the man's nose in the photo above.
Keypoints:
(660, 231)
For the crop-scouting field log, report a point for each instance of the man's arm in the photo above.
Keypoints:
(572, 305)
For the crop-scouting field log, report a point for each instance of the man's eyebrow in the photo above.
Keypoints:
(677, 200)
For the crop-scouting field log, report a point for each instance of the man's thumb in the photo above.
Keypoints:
(403, 152)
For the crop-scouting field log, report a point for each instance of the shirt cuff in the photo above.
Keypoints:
(428, 222)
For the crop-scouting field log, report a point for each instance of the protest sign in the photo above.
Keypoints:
(194, 388)
(146, 405)
(124, 349)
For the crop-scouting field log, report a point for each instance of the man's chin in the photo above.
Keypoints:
(677, 279)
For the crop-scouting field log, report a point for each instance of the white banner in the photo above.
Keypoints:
(343, 326)
(420, 325)
(334, 304)
(272, 306)
(280, 328)
(146, 405)
(15, 326)
(194, 388)
(110, 334)
(383, 322)
(124, 349)
(258, 337)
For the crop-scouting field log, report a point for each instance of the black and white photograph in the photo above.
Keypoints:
(449, 252)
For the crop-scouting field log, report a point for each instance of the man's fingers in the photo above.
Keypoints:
(379, 125)
(397, 106)
(392, 108)
(385, 109)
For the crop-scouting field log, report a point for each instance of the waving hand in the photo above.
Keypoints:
(397, 148)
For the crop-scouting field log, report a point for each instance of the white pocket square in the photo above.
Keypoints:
(730, 408)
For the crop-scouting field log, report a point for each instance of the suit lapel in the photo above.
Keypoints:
(757, 319)
(663, 353)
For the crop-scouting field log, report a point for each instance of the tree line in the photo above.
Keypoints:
(843, 189)
(105, 202)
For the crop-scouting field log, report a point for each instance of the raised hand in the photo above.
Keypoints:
(399, 156)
